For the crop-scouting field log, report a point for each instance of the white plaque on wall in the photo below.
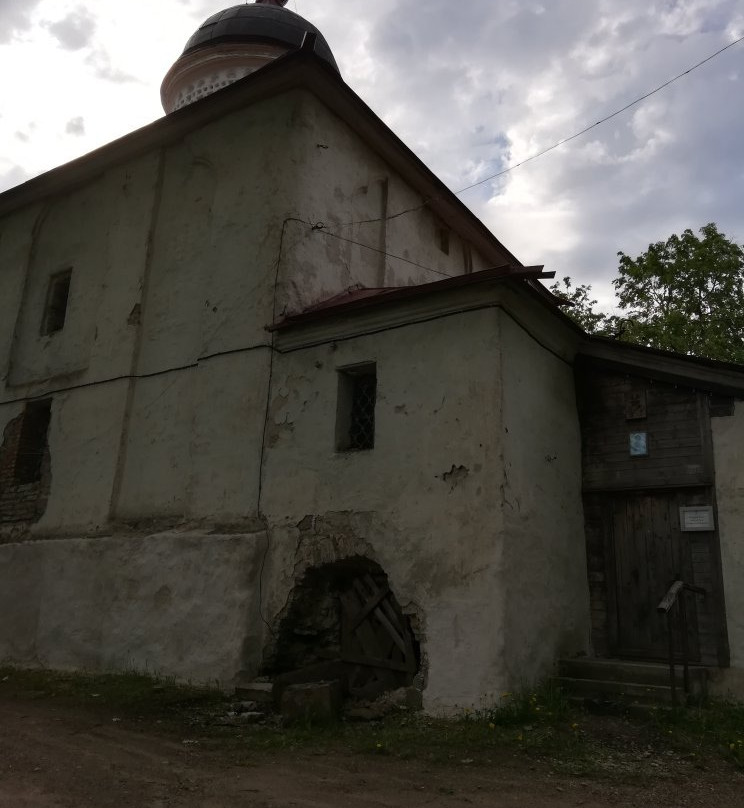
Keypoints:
(699, 517)
(638, 442)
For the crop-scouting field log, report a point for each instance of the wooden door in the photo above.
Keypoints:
(648, 552)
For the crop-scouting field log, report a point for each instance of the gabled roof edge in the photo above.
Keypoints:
(692, 371)
(298, 69)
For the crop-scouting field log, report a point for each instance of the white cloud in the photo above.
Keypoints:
(15, 16)
(471, 87)
(11, 175)
(75, 30)
(76, 126)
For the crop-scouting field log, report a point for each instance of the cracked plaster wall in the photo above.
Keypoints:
(175, 265)
(193, 439)
(171, 274)
(437, 534)
(132, 602)
(96, 342)
(544, 547)
(348, 187)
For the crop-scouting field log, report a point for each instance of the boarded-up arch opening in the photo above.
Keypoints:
(344, 622)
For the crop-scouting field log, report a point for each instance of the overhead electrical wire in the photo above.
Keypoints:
(321, 228)
(602, 120)
(556, 145)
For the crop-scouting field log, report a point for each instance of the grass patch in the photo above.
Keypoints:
(718, 727)
(129, 695)
(546, 706)
(539, 727)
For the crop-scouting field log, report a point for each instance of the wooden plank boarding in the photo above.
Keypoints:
(635, 546)
(375, 638)
(372, 662)
(372, 602)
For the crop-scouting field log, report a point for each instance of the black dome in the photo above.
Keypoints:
(258, 23)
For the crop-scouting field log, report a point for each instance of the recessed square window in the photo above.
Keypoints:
(443, 239)
(467, 258)
(355, 414)
(55, 310)
(32, 442)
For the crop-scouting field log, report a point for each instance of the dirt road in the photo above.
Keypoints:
(54, 757)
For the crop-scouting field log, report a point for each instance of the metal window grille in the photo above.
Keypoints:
(362, 422)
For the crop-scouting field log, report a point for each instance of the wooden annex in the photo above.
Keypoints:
(647, 461)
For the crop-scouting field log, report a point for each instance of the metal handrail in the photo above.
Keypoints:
(675, 597)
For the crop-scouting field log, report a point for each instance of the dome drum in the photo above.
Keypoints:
(197, 75)
(233, 43)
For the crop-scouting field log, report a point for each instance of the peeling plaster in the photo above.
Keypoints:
(455, 476)
(330, 537)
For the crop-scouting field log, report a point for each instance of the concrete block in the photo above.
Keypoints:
(240, 719)
(259, 692)
(315, 702)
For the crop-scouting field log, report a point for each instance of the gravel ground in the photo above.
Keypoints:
(55, 757)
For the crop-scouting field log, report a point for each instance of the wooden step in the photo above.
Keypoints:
(610, 690)
(626, 709)
(640, 673)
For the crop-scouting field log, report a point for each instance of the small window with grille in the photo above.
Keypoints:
(55, 310)
(355, 416)
(32, 442)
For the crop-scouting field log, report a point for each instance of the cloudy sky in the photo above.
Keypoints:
(471, 86)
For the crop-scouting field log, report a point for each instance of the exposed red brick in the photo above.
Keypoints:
(21, 504)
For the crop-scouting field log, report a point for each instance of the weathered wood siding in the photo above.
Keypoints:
(675, 421)
(634, 538)
(631, 510)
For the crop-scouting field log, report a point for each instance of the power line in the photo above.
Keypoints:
(385, 218)
(602, 120)
(317, 228)
(562, 142)
(321, 228)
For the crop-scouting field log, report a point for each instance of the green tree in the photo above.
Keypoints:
(580, 305)
(685, 294)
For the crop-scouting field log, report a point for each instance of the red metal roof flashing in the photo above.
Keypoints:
(356, 299)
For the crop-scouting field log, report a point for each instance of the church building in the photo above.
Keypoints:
(273, 400)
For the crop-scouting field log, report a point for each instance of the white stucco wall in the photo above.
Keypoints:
(84, 434)
(15, 246)
(178, 604)
(348, 187)
(99, 231)
(192, 440)
(728, 449)
(160, 381)
(547, 604)
(184, 259)
(436, 534)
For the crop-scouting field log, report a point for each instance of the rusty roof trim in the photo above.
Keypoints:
(363, 299)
